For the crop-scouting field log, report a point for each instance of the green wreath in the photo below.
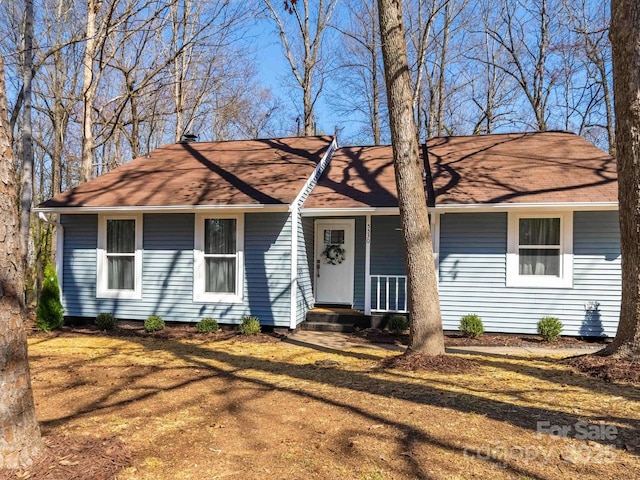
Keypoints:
(333, 254)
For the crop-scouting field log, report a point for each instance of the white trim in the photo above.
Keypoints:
(315, 176)
(102, 272)
(563, 206)
(435, 241)
(293, 320)
(367, 267)
(294, 209)
(199, 294)
(348, 212)
(458, 208)
(164, 209)
(332, 221)
(565, 280)
(314, 212)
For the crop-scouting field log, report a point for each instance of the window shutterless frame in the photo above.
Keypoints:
(113, 250)
(530, 276)
(207, 256)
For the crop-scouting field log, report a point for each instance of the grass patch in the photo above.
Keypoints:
(278, 410)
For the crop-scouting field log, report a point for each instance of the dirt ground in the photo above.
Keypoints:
(180, 405)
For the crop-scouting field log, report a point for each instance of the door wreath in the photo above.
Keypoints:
(333, 254)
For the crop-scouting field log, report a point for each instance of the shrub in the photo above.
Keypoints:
(398, 324)
(549, 328)
(471, 326)
(105, 321)
(207, 325)
(250, 325)
(50, 313)
(153, 323)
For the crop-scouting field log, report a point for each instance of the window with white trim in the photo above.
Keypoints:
(119, 269)
(540, 250)
(218, 258)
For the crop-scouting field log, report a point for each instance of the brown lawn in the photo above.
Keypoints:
(203, 409)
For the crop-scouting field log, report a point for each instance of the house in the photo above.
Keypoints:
(523, 226)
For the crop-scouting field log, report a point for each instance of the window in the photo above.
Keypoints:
(119, 257)
(218, 258)
(540, 252)
(334, 237)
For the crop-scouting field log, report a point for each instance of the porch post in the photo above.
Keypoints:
(367, 268)
(293, 319)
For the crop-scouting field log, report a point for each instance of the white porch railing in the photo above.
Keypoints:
(389, 293)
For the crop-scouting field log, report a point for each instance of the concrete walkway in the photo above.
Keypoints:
(344, 341)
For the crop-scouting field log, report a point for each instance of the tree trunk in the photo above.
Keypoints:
(20, 440)
(88, 94)
(625, 43)
(27, 138)
(426, 336)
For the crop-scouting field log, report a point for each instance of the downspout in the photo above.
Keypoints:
(59, 246)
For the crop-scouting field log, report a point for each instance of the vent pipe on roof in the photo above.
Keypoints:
(189, 138)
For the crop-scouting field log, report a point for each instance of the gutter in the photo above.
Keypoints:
(165, 209)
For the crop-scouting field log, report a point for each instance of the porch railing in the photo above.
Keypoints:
(389, 293)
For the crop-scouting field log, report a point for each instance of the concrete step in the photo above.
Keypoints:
(318, 326)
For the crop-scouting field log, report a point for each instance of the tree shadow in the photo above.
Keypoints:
(433, 393)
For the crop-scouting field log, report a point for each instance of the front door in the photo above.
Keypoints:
(334, 256)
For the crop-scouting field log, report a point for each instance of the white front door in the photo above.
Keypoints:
(334, 257)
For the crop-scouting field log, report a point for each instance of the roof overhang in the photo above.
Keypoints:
(463, 208)
(165, 209)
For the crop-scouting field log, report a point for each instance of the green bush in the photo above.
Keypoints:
(549, 328)
(250, 325)
(471, 326)
(50, 313)
(207, 325)
(105, 321)
(397, 324)
(153, 323)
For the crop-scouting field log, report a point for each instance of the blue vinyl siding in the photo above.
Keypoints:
(473, 276)
(80, 263)
(268, 267)
(167, 285)
(387, 256)
(387, 252)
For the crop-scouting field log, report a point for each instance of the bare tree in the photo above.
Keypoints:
(27, 140)
(21, 441)
(526, 31)
(426, 336)
(625, 43)
(359, 76)
(589, 24)
(302, 38)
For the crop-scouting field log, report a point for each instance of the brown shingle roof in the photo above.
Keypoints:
(248, 172)
(547, 167)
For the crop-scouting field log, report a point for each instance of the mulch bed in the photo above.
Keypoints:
(606, 368)
(170, 332)
(447, 364)
(374, 335)
(75, 458)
